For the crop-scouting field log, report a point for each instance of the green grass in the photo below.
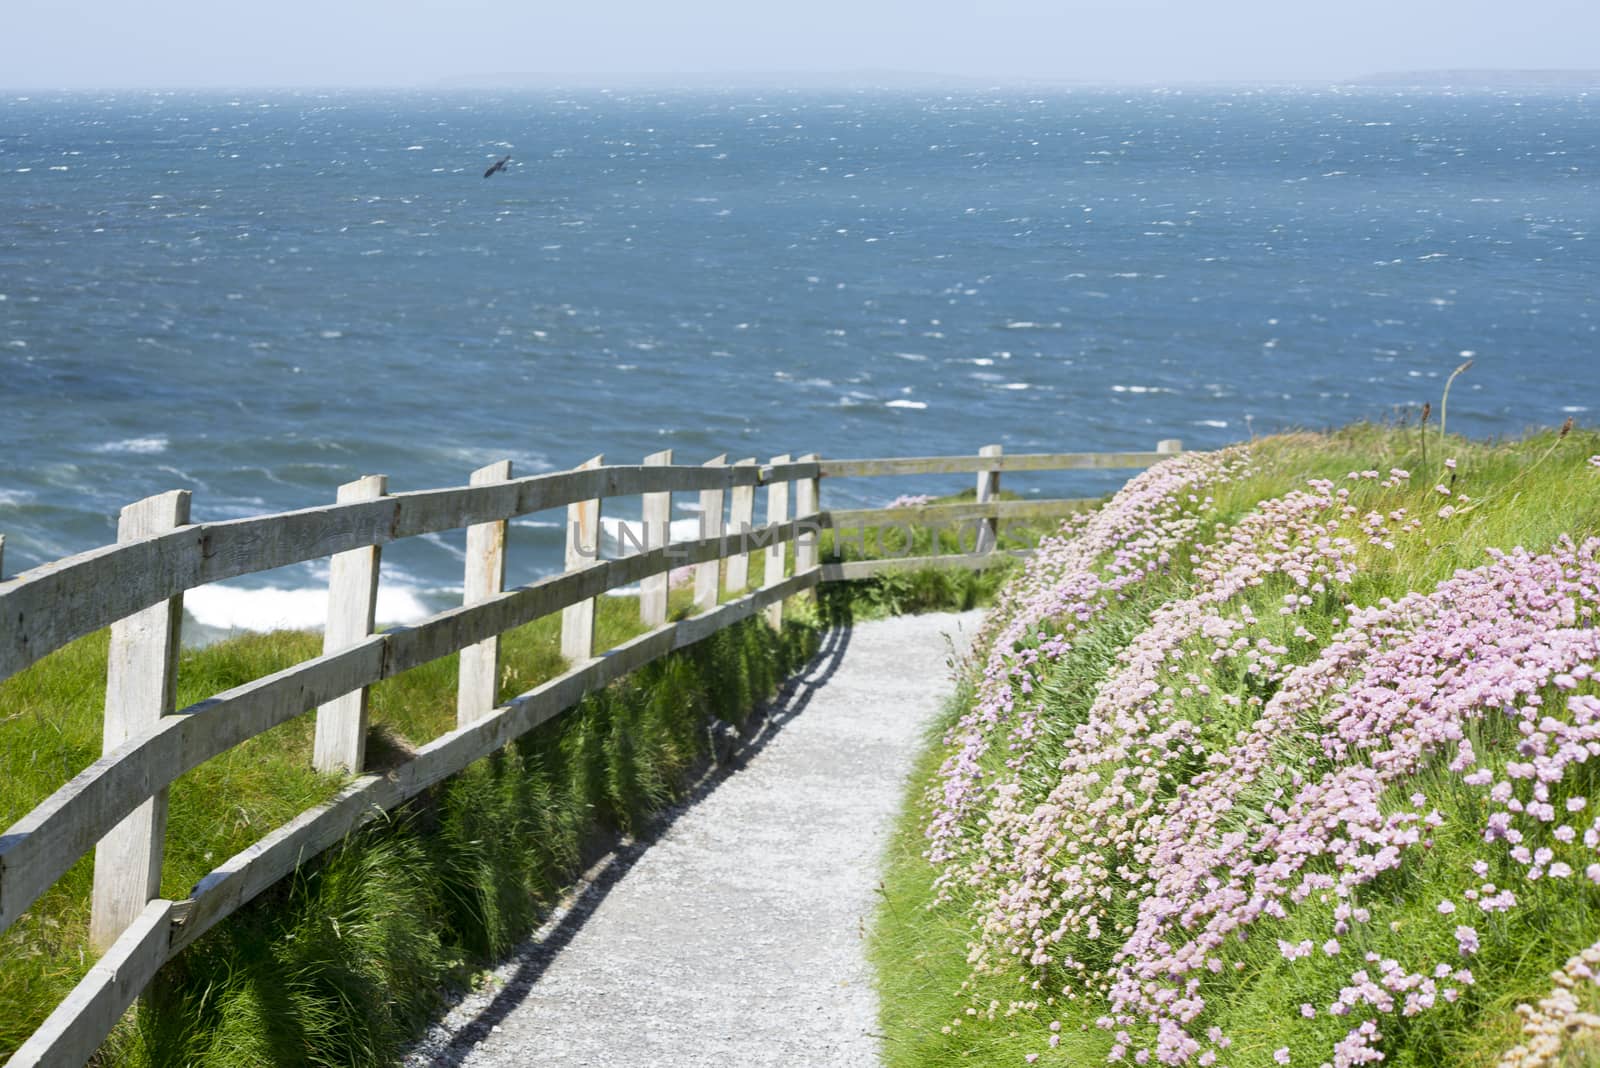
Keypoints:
(910, 590)
(935, 1011)
(346, 960)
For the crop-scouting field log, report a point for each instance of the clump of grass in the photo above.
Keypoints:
(916, 590)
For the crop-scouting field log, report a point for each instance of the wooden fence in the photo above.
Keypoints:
(117, 806)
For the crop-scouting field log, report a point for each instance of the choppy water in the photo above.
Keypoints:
(261, 296)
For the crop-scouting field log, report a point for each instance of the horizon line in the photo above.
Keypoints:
(863, 79)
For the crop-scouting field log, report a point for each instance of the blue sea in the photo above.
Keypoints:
(258, 296)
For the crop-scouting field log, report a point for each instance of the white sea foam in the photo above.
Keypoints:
(135, 446)
(1141, 389)
(1016, 385)
(226, 607)
(911, 404)
(1220, 424)
(914, 357)
(625, 537)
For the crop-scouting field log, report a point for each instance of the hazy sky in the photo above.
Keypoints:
(102, 43)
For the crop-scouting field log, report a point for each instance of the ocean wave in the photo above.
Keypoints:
(225, 607)
(625, 537)
(135, 446)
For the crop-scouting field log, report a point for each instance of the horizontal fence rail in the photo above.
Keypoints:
(137, 585)
(53, 604)
(955, 465)
(918, 514)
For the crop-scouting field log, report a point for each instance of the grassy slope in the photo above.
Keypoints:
(449, 881)
(1527, 493)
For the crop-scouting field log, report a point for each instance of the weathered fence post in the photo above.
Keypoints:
(988, 490)
(741, 516)
(141, 687)
(777, 512)
(707, 574)
(583, 549)
(1169, 446)
(657, 522)
(341, 741)
(807, 545)
(479, 677)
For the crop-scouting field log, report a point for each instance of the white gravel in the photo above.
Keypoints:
(734, 936)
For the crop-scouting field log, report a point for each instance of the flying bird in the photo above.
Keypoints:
(499, 166)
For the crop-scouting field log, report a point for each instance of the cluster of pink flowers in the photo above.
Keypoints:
(1236, 774)
(1066, 583)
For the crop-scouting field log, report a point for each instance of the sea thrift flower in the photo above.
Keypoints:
(1065, 584)
(1222, 774)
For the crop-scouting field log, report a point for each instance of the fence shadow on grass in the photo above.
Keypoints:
(540, 951)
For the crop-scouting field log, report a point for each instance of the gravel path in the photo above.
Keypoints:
(734, 935)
